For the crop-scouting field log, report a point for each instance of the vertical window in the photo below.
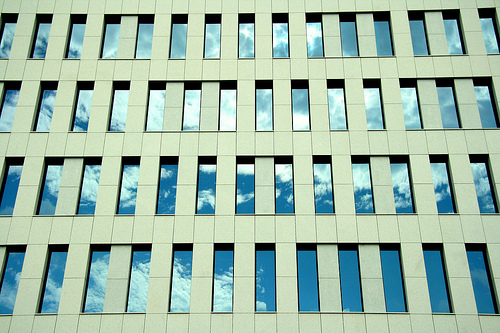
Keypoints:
(393, 279)
(13, 267)
(336, 105)
(490, 31)
(280, 36)
(75, 42)
(245, 186)
(409, 98)
(212, 35)
(401, 187)
(83, 104)
(246, 40)
(362, 187)
(300, 105)
(156, 106)
(42, 32)
(452, 30)
(179, 36)
(90, 185)
(9, 104)
(350, 282)
(314, 35)
(96, 282)
(442, 187)
(373, 105)
(54, 275)
(128, 189)
(139, 280)
(484, 186)
(447, 104)
(118, 119)
(144, 37)
(436, 278)
(182, 268)
(50, 190)
(167, 189)
(348, 35)
(227, 115)
(223, 278)
(265, 278)
(323, 195)
(486, 104)
(481, 279)
(111, 35)
(46, 103)
(264, 105)
(192, 105)
(8, 28)
(10, 185)
(283, 171)
(307, 277)
(383, 34)
(207, 168)
(418, 34)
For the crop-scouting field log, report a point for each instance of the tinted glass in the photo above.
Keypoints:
(178, 42)
(168, 189)
(11, 185)
(410, 108)
(144, 41)
(265, 281)
(314, 39)
(383, 38)
(349, 39)
(7, 39)
(46, 110)
(336, 109)
(453, 36)
(486, 108)
(448, 107)
(300, 109)
(50, 190)
(401, 188)
(10, 281)
(481, 282)
(264, 109)
(206, 189)
(323, 196)
(436, 281)
(418, 37)
(139, 281)
(284, 188)
(228, 110)
(53, 282)
(489, 34)
(8, 110)
(280, 40)
(96, 286)
(245, 186)
(90, 184)
(373, 105)
(362, 188)
(119, 110)
(246, 40)
(180, 294)
(393, 282)
(307, 280)
(128, 191)
(212, 40)
(349, 281)
(192, 102)
(76, 41)
(223, 281)
(156, 109)
(42, 40)
(82, 112)
(483, 188)
(110, 45)
(442, 189)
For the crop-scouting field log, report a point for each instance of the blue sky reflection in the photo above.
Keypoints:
(483, 188)
(490, 37)
(308, 280)
(383, 38)
(323, 196)
(54, 282)
(280, 40)
(410, 108)
(349, 281)
(223, 281)
(206, 189)
(144, 41)
(110, 45)
(436, 281)
(246, 40)
(349, 39)
(76, 40)
(82, 113)
(453, 36)
(10, 281)
(401, 188)
(442, 188)
(264, 109)
(485, 105)
(418, 37)
(168, 189)
(393, 282)
(8, 109)
(373, 105)
(139, 281)
(265, 281)
(180, 294)
(128, 191)
(7, 39)
(46, 110)
(284, 188)
(362, 188)
(50, 190)
(178, 42)
(448, 107)
(90, 185)
(11, 185)
(245, 186)
(96, 287)
(42, 40)
(212, 40)
(481, 282)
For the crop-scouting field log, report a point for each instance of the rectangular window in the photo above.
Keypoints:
(453, 34)
(246, 40)
(383, 33)
(144, 37)
(280, 35)
(54, 275)
(42, 32)
(300, 105)
(484, 186)
(481, 278)
(179, 36)
(9, 22)
(348, 35)
(50, 191)
(336, 105)
(323, 195)
(47, 99)
(227, 114)
(245, 186)
(401, 186)
(223, 278)
(182, 268)
(207, 168)
(418, 33)
(265, 278)
(488, 20)
(447, 104)
(350, 282)
(97, 278)
(167, 189)
(118, 118)
(77, 32)
(83, 105)
(264, 105)
(373, 104)
(409, 98)
(437, 281)
(442, 185)
(9, 104)
(307, 278)
(156, 106)
(362, 187)
(314, 35)
(13, 267)
(111, 35)
(90, 185)
(192, 106)
(394, 290)
(128, 188)
(283, 172)
(486, 103)
(10, 185)
(212, 35)
(139, 279)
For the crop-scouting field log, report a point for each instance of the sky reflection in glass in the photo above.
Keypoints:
(54, 282)
(362, 188)
(308, 280)
(42, 40)
(119, 110)
(448, 107)
(168, 189)
(11, 185)
(410, 108)
(8, 109)
(144, 41)
(139, 281)
(436, 281)
(349, 281)
(453, 36)
(10, 281)
(373, 105)
(46, 110)
(481, 281)
(280, 40)
(300, 109)
(192, 105)
(96, 286)
(76, 41)
(50, 190)
(383, 38)
(180, 294)
(418, 37)
(223, 281)
(489, 34)
(90, 185)
(401, 188)
(156, 109)
(348, 39)
(393, 282)
(265, 281)
(284, 188)
(82, 113)
(442, 188)
(228, 110)
(128, 191)
(336, 108)
(212, 40)
(246, 40)
(7, 38)
(110, 45)
(486, 108)
(245, 187)
(483, 188)
(323, 196)
(264, 109)
(206, 189)
(178, 41)
(314, 39)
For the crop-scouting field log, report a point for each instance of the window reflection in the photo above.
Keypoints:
(90, 185)
(75, 45)
(179, 37)
(192, 105)
(128, 190)
(53, 281)
(373, 105)
(486, 106)
(212, 36)
(410, 107)
(46, 110)
(180, 294)
(418, 34)
(156, 107)
(436, 280)
(300, 105)
(350, 285)
(452, 30)
(314, 35)
(348, 36)
(307, 278)
(144, 41)
(448, 106)
(139, 281)
(481, 279)
(245, 188)
(484, 191)
(323, 196)
(401, 188)
(206, 188)
(280, 36)
(264, 105)
(167, 191)
(265, 278)
(82, 111)
(383, 36)
(42, 37)
(362, 188)
(10, 98)
(246, 40)
(336, 105)
(393, 281)
(490, 32)
(442, 188)
(223, 279)
(11, 178)
(10, 280)
(50, 190)
(227, 106)
(120, 107)
(284, 188)
(110, 44)
(8, 29)
(97, 278)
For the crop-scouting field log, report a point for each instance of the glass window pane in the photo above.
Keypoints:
(119, 110)
(401, 188)
(486, 108)
(453, 36)
(308, 280)
(245, 187)
(284, 188)
(265, 281)
(128, 190)
(42, 40)
(410, 108)
(483, 188)
(7, 39)
(418, 37)
(489, 34)
(436, 281)
(212, 40)
(110, 45)
(82, 112)
(8, 109)
(180, 294)
(323, 196)
(46, 110)
(280, 40)
(442, 188)
(481, 281)
(349, 281)
(90, 185)
(448, 107)
(76, 41)
(144, 41)
(362, 188)
(246, 40)
(373, 105)
(96, 285)
(10, 281)
(178, 42)
(10, 186)
(336, 108)
(206, 189)
(383, 38)
(264, 109)
(300, 109)
(167, 189)
(393, 281)
(192, 102)
(228, 110)
(139, 281)
(156, 109)
(223, 281)
(50, 190)
(53, 282)
(349, 38)
(314, 39)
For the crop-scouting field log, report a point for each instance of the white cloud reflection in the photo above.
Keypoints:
(110, 45)
(223, 291)
(336, 107)
(156, 110)
(314, 39)
(280, 40)
(98, 277)
(8, 110)
(128, 192)
(42, 40)
(144, 41)
(300, 107)
(212, 40)
(323, 183)
(453, 36)
(10, 283)
(264, 109)
(119, 110)
(447, 107)
(362, 188)
(192, 103)
(82, 114)
(46, 110)
(178, 42)
(410, 108)
(486, 111)
(76, 41)
(246, 40)
(490, 38)
(51, 190)
(88, 196)
(373, 107)
(7, 38)
(139, 281)
(228, 110)
(181, 283)
(483, 188)
(53, 285)
(401, 187)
